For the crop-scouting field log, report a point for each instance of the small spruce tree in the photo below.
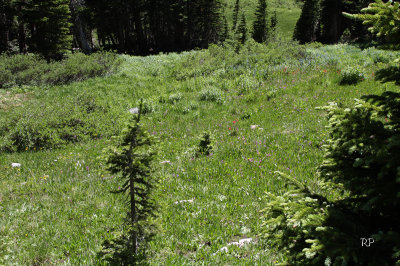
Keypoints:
(241, 31)
(132, 158)
(260, 27)
(205, 146)
(235, 14)
(274, 22)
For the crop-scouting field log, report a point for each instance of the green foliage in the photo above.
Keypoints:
(273, 23)
(51, 36)
(212, 95)
(205, 145)
(131, 157)
(174, 98)
(351, 75)
(32, 70)
(241, 31)
(235, 15)
(383, 19)
(356, 198)
(346, 36)
(260, 25)
(68, 184)
(50, 125)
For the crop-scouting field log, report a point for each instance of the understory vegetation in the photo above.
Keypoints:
(32, 69)
(258, 108)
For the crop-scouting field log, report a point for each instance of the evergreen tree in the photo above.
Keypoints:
(225, 29)
(49, 26)
(383, 19)
(132, 159)
(241, 31)
(260, 27)
(307, 25)
(235, 14)
(274, 22)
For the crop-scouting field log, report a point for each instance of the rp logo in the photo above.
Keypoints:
(366, 242)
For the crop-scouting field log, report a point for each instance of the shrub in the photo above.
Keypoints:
(350, 76)
(32, 70)
(50, 125)
(357, 195)
(211, 94)
(78, 67)
(205, 145)
(6, 77)
(148, 107)
(246, 84)
(174, 98)
(191, 106)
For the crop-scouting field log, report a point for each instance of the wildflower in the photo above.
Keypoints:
(183, 201)
(229, 128)
(134, 110)
(15, 165)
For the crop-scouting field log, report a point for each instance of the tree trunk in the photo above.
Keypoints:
(21, 31)
(79, 29)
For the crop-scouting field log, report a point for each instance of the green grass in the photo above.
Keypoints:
(288, 12)
(57, 207)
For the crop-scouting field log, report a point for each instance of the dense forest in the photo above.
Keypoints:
(51, 27)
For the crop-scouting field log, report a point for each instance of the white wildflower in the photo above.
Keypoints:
(134, 110)
(183, 201)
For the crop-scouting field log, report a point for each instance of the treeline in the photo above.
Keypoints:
(50, 27)
(141, 27)
(322, 21)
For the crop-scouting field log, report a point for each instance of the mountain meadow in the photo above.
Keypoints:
(257, 140)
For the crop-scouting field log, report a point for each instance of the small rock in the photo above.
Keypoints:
(166, 161)
(254, 126)
(16, 165)
(240, 244)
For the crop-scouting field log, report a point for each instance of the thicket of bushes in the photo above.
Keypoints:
(52, 124)
(33, 70)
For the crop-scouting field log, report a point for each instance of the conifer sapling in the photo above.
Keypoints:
(131, 158)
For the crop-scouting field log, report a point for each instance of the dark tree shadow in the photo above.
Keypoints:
(388, 74)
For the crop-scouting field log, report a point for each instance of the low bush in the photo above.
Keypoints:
(32, 70)
(357, 196)
(50, 125)
(212, 95)
(351, 75)
(174, 98)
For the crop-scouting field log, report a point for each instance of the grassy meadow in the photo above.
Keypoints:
(259, 106)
